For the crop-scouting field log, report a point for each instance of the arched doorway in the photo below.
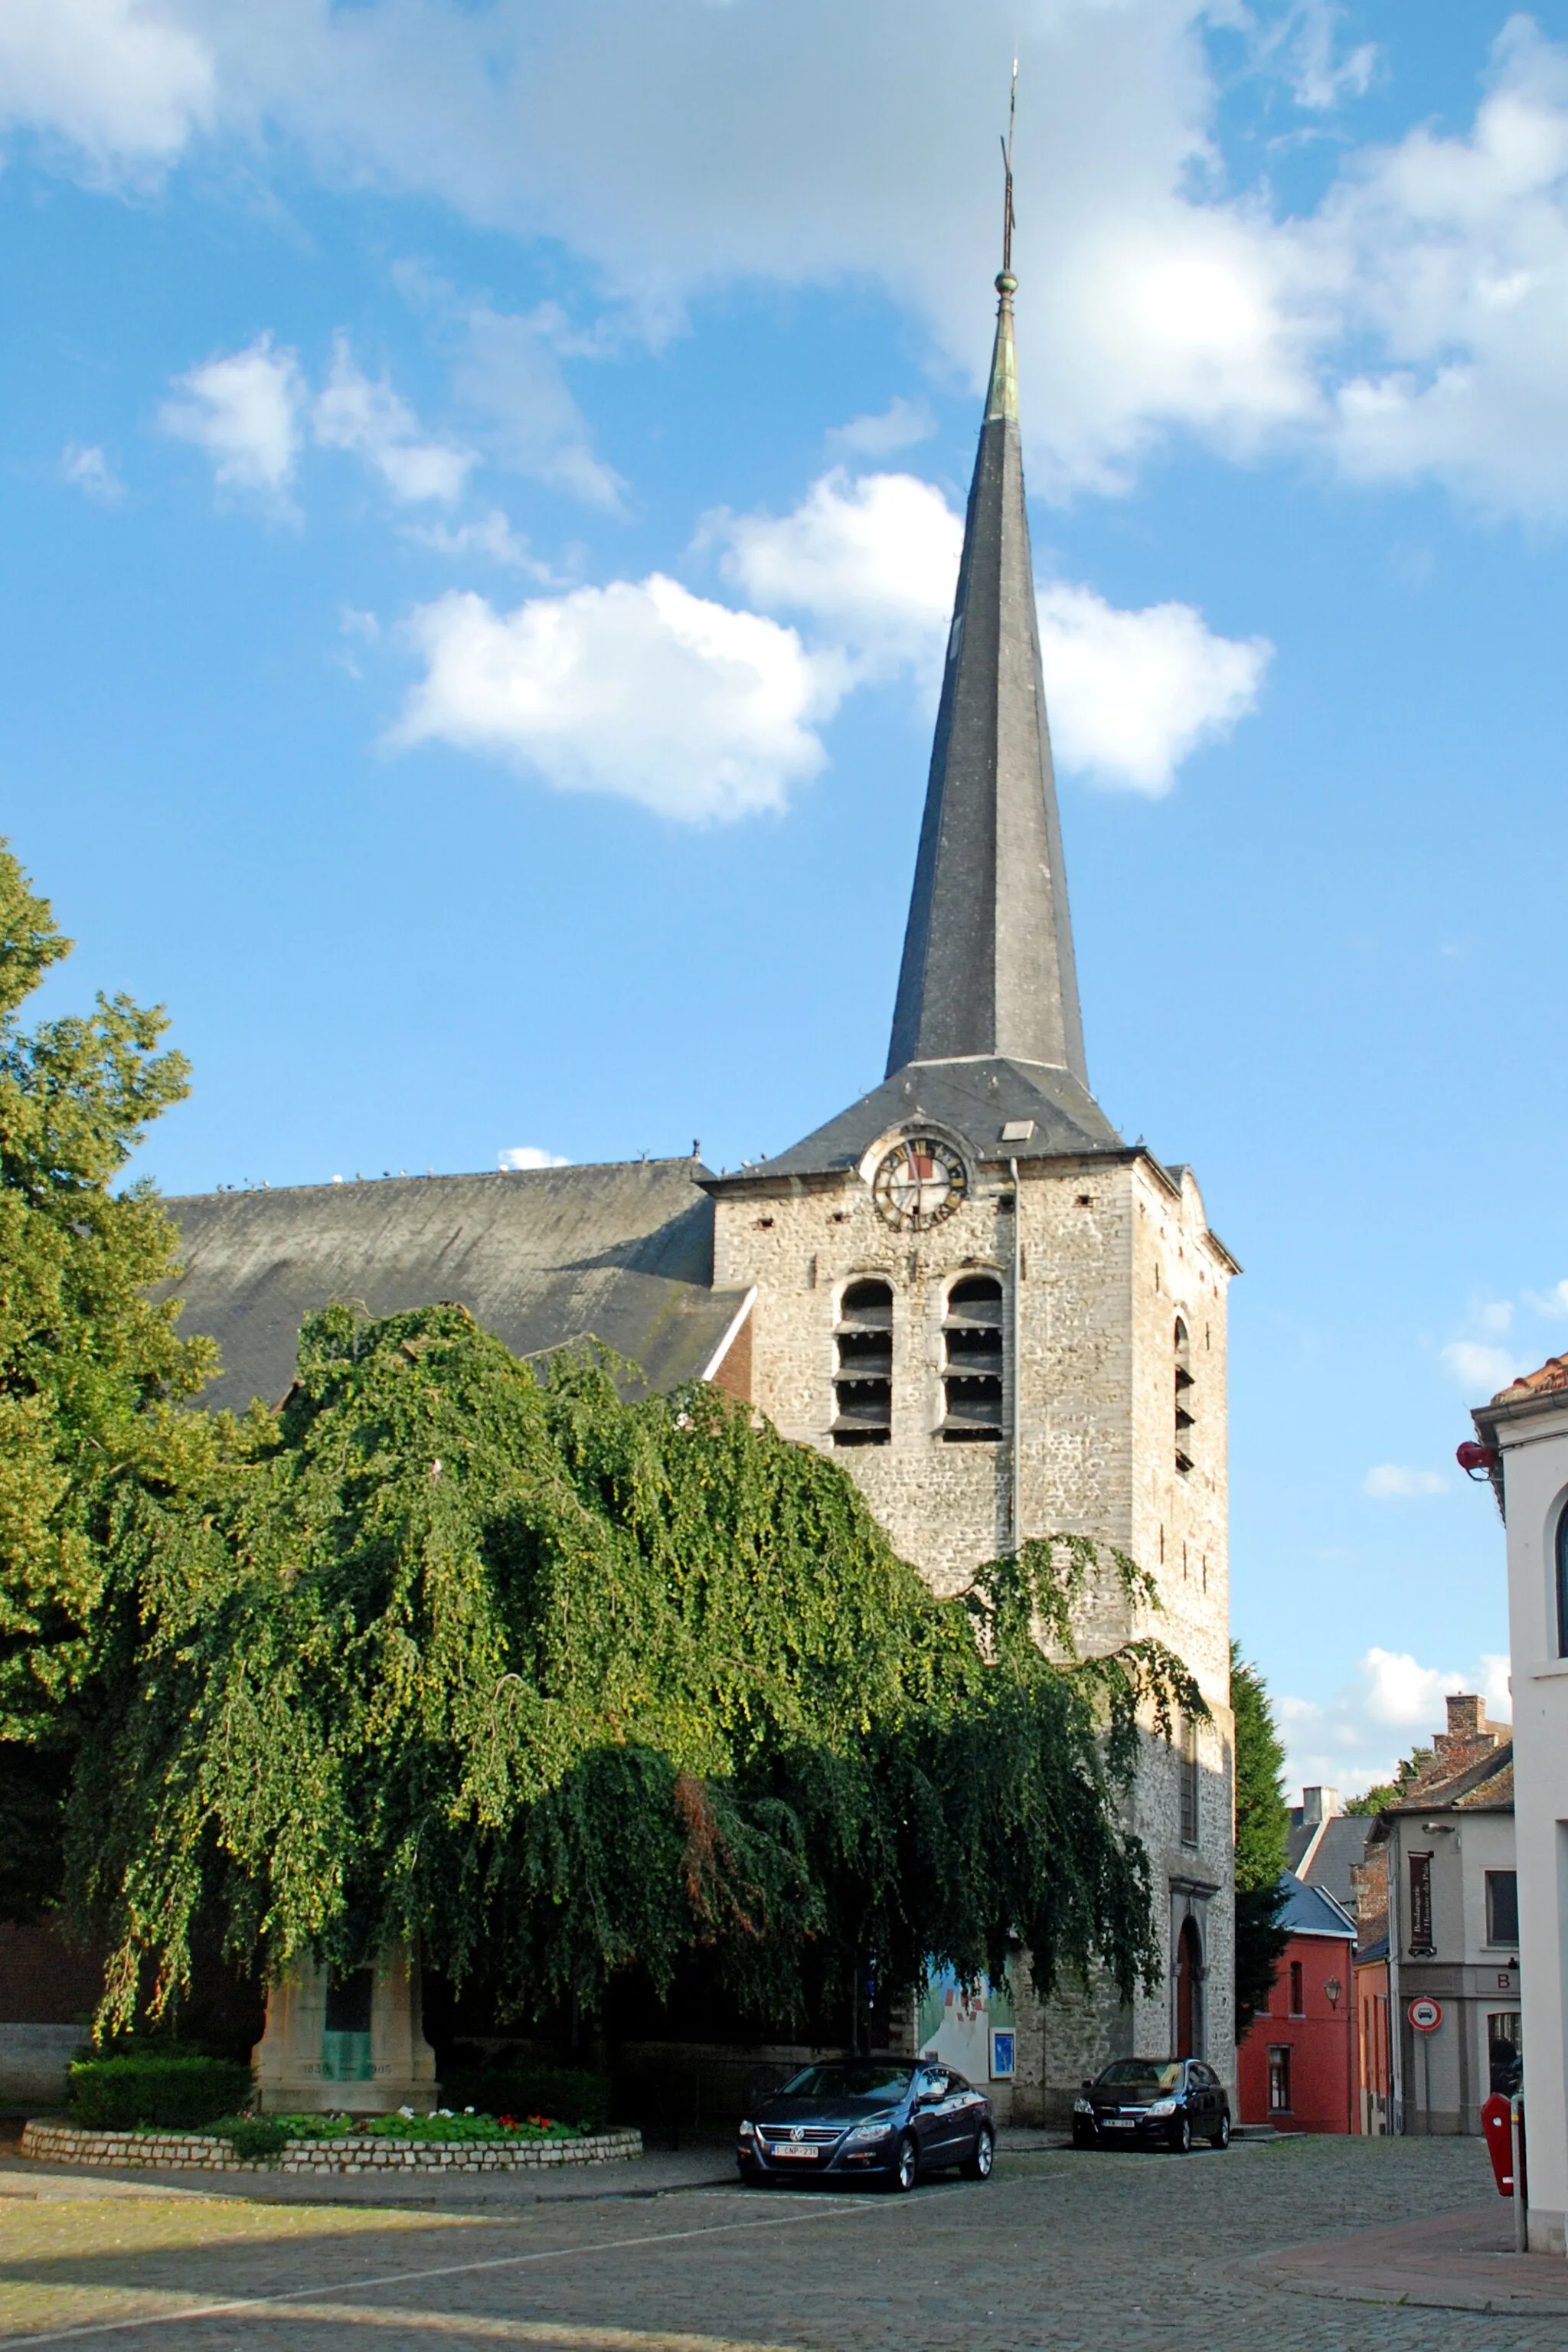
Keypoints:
(1189, 1991)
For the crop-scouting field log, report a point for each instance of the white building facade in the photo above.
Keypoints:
(1525, 1429)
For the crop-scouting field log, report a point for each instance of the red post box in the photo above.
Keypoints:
(1495, 2124)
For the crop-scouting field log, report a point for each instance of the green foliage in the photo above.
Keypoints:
(254, 2138)
(154, 2094)
(581, 2096)
(446, 2125)
(1262, 1824)
(87, 1360)
(1393, 1792)
(448, 1653)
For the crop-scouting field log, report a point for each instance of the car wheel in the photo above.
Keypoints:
(1221, 2138)
(757, 2180)
(1182, 2136)
(1084, 2136)
(978, 2165)
(906, 2166)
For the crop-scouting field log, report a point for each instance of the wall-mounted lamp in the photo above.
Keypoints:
(1333, 1989)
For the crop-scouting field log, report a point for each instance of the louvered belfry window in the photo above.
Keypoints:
(973, 1367)
(1184, 1400)
(863, 1365)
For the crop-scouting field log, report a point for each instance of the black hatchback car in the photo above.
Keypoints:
(869, 2118)
(1152, 2102)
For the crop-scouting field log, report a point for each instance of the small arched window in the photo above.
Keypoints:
(863, 1366)
(972, 1364)
(1184, 1399)
(1561, 1549)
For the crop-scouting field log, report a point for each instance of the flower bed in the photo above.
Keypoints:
(395, 2143)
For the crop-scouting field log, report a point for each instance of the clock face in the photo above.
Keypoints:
(918, 1183)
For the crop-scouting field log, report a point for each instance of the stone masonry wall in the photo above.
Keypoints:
(355, 2153)
(1112, 1251)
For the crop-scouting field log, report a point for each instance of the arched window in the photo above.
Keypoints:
(1563, 1582)
(972, 1365)
(863, 1374)
(1189, 1781)
(1184, 1399)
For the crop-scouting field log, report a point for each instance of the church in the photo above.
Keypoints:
(1005, 1321)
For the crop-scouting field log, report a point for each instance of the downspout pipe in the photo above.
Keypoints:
(1017, 1438)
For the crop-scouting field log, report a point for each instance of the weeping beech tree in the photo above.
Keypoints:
(545, 1679)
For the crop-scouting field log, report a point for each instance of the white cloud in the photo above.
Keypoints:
(1482, 1369)
(1390, 1483)
(1393, 1702)
(114, 78)
(244, 411)
(1320, 78)
(1132, 694)
(1495, 1314)
(490, 537)
(1408, 327)
(89, 471)
(640, 689)
(510, 373)
(529, 1155)
(898, 426)
(1456, 253)
(873, 561)
(353, 413)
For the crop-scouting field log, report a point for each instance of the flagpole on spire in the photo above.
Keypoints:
(1007, 168)
(1003, 398)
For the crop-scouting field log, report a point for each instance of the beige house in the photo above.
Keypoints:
(1440, 1870)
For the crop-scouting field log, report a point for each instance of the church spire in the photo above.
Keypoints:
(988, 962)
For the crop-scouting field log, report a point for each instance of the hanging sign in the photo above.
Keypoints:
(1424, 2015)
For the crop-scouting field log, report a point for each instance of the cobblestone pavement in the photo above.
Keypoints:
(1058, 2251)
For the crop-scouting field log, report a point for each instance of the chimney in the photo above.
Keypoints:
(1466, 1719)
(1319, 1805)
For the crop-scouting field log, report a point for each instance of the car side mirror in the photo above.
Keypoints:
(1085, 2085)
(930, 2099)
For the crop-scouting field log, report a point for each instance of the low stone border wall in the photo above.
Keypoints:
(355, 2152)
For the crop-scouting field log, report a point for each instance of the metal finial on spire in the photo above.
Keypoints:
(1007, 168)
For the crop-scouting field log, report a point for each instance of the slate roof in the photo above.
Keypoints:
(621, 1252)
(977, 1098)
(988, 960)
(1341, 1844)
(1307, 1911)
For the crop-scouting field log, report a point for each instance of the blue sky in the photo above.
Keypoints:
(481, 485)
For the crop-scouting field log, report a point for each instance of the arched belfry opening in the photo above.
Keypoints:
(1185, 1399)
(863, 1365)
(972, 1366)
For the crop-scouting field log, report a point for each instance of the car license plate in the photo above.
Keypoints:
(1117, 2123)
(807, 2155)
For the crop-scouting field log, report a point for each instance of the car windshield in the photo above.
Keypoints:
(1142, 2074)
(867, 2079)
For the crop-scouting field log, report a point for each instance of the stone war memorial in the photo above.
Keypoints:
(1002, 1320)
(356, 2043)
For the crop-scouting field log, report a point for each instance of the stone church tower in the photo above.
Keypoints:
(1005, 1321)
(1002, 1320)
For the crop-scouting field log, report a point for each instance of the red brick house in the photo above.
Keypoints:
(1295, 2065)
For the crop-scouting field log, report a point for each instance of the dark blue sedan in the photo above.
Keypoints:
(869, 2118)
